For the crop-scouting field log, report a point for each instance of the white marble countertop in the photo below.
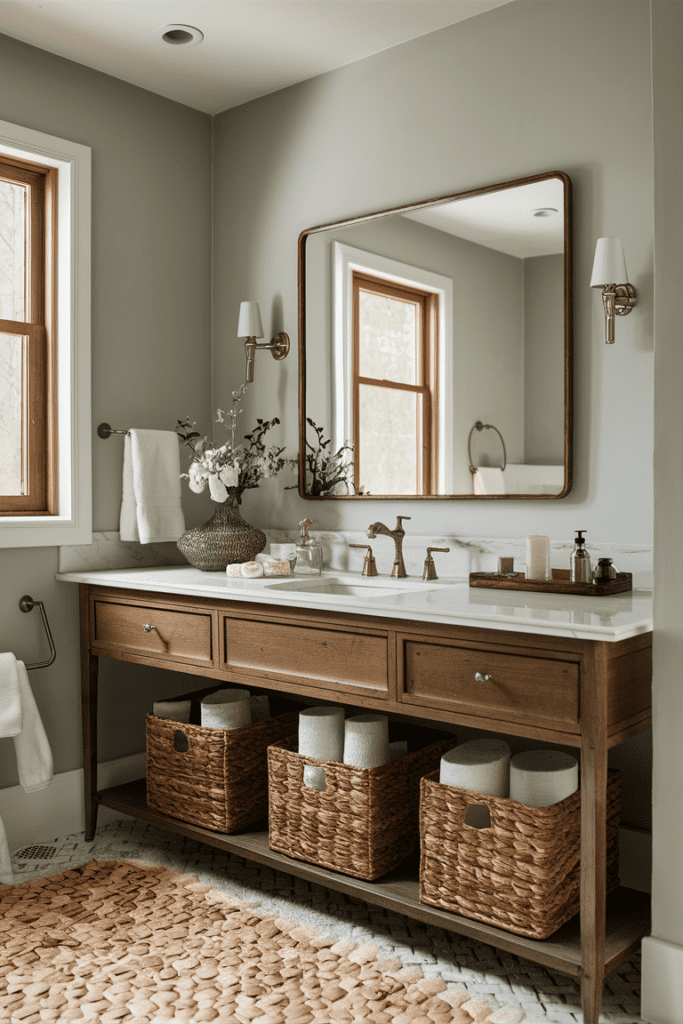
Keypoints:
(447, 601)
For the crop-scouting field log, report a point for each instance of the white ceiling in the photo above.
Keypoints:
(250, 48)
(505, 220)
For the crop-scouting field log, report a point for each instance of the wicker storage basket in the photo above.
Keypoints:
(216, 778)
(522, 873)
(366, 820)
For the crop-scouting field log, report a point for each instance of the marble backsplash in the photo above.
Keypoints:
(467, 554)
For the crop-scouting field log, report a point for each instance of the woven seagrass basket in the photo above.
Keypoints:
(216, 778)
(366, 820)
(522, 873)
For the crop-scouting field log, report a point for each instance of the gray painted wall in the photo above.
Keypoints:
(543, 359)
(151, 218)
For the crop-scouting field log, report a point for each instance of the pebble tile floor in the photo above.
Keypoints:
(488, 974)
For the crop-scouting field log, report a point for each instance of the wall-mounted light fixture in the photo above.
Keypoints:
(249, 327)
(609, 266)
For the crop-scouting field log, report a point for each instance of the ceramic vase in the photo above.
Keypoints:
(225, 538)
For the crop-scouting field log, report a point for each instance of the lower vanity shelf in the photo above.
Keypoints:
(628, 917)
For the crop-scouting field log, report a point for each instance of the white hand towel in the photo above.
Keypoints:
(10, 698)
(34, 757)
(488, 480)
(6, 875)
(150, 509)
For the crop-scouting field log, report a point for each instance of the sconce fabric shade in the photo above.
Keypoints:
(249, 324)
(609, 265)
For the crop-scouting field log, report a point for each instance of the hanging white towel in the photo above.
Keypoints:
(31, 746)
(150, 510)
(10, 698)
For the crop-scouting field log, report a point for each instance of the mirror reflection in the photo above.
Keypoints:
(435, 345)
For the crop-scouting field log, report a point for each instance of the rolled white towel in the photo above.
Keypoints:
(321, 732)
(539, 778)
(482, 766)
(226, 709)
(252, 570)
(173, 710)
(366, 740)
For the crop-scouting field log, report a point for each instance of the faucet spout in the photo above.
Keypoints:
(397, 535)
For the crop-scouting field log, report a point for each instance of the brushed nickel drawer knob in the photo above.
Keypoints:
(479, 678)
(147, 628)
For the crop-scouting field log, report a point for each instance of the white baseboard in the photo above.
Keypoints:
(662, 981)
(57, 810)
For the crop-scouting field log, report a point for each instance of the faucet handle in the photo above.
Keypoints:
(369, 566)
(399, 521)
(429, 572)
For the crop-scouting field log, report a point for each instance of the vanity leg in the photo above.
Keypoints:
(89, 671)
(593, 833)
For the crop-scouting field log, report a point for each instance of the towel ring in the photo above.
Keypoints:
(27, 604)
(484, 426)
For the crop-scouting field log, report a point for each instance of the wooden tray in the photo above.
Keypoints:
(560, 583)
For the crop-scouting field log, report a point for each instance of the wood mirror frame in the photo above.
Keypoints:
(568, 340)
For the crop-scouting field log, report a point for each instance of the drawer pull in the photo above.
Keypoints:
(479, 678)
(147, 628)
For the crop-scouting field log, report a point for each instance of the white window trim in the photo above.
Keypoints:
(346, 259)
(73, 523)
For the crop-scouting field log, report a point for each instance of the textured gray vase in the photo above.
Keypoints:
(225, 538)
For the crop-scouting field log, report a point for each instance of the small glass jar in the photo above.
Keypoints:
(309, 553)
(604, 571)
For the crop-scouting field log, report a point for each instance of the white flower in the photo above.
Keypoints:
(197, 478)
(217, 488)
(230, 475)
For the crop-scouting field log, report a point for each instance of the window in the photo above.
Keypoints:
(395, 359)
(28, 463)
(45, 491)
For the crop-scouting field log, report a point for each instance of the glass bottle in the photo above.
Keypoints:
(309, 553)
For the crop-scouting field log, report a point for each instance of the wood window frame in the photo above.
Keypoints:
(39, 401)
(427, 361)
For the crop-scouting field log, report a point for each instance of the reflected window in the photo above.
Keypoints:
(395, 360)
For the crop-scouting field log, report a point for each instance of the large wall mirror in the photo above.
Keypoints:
(435, 348)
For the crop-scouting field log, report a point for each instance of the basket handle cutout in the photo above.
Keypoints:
(478, 816)
(314, 777)
(180, 742)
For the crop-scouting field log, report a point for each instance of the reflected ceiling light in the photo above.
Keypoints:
(545, 211)
(249, 327)
(178, 35)
(609, 266)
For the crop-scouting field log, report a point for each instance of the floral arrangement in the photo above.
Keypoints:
(231, 468)
(327, 471)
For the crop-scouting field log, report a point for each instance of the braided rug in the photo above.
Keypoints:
(117, 941)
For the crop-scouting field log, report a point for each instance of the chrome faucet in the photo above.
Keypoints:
(399, 569)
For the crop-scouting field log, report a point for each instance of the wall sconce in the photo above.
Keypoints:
(609, 266)
(249, 326)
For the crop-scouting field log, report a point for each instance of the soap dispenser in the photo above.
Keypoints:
(579, 561)
(309, 553)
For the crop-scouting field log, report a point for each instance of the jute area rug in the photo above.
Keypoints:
(117, 941)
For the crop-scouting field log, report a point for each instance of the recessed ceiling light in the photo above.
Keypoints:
(545, 211)
(178, 35)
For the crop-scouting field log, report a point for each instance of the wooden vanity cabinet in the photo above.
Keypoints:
(579, 693)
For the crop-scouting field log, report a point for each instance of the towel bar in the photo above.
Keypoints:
(484, 426)
(104, 431)
(27, 604)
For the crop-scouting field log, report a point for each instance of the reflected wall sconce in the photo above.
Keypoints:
(609, 266)
(249, 327)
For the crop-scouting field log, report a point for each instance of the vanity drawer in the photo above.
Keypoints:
(324, 657)
(452, 675)
(176, 636)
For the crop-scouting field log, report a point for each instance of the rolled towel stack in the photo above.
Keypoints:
(172, 710)
(226, 709)
(482, 766)
(321, 735)
(539, 778)
(366, 740)
(262, 565)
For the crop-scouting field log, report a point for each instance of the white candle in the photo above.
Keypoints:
(538, 558)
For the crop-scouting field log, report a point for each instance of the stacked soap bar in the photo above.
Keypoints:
(262, 565)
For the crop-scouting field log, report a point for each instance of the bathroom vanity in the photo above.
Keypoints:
(568, 670)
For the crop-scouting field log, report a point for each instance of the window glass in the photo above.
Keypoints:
(388, 440)
(387, 338)
(12, 250)
(12, 349)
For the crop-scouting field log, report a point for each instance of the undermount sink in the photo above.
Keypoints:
(340, 588)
